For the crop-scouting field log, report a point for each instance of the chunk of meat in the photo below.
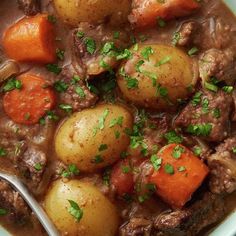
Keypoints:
(187, 32)
(207, 210)
(190, 221)
(29, 7)
(97, 47)
(13, 203)
(137, 227)
(219, 64)
(222, 166)
(207, 115)
(73, 91)
(32, 164)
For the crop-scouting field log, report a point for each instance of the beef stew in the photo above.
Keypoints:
(119, 116)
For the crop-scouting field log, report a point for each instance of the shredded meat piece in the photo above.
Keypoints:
(12, 202)
(100, 34)
(212, 108)
(219, 64)
(32, 164)
(77, 100)
(187, 32)
(29, 7)
(223, 168)
(190, 221)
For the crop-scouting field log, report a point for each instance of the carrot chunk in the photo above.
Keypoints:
(31, 39)
(29, 103)
(146, 12)
(178, 174)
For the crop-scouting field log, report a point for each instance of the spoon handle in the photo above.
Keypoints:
(34, 205)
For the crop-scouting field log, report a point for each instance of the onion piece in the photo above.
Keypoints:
(8, 69)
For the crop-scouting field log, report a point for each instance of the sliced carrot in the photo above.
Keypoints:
(122, 177)
(31, 39)
(146, 12)
(29, 103)
(179, 175)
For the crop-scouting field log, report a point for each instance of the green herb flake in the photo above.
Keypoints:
(161, 22)
(163, 61)
(75, 210)
(156, 162)
(90, 45)
(60, 54)
(193, 51)
(177, 152)
(181, 168)
(147, 52)
(3, 212)
(169, 169)
(38, 166)
(197, 151)
(173, 137)
(102, 147)
(200, 129)
(3, 152)
(80, 92)
(54, 68)
(216, 113)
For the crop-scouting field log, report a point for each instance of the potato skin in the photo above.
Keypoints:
(98, 211)
(73, 12)
(176, 76)
(79, 138)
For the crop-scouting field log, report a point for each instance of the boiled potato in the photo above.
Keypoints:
(156, 76)
(76, 11)
(99, 216)
(94, 138)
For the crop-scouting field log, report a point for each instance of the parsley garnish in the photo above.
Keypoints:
(75, 210)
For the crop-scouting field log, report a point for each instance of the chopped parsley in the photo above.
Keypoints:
(173, 137)
(71, 170)
(90, 45)
(177, 152)
(169, 169)
(60, 86)
(147, 52)
(181, 168)
(60, 54)
(3, 152)
(102, 147)
(54, 68)
(38, 166)
(3, 212)
(80, 92)
(156, 161)
(197, 151)
(12, 84)
(200, 129)
(75, 210)
(161, 22)
(116, 121)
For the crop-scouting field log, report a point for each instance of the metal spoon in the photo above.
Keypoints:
(34, 205)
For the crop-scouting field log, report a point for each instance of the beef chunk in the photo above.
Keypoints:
(207, 115)
(219, 64)
(191, 220)
(29, 7)
(73, 91)
(13, 203)
(90, 48)
(137, 227)
(32, 164)
(223, 167)
(187, 32)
